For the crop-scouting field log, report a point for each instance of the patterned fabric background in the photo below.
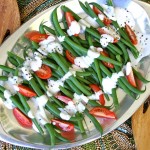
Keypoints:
(119, 139)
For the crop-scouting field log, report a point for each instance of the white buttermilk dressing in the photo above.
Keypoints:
(30, 114)
(74, 28)
(109, 11)
(64, 115)
(26, 73)
(128, 68)
(86, 61)
(110, 83)
(61, 38)
(96, 95)
(42, 100)
(8, 102)
(73, 69)
(83, 25)
(111, 31)
(50, 45)
(101, 16)
(106, 39)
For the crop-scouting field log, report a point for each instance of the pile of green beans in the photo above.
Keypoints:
(79, 84)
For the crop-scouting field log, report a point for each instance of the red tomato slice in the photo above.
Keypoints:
(69, 19)
(26, 91)
(131, 34)
(22, 119)
(102, 31)
(36, 36)
(96, 88)
(64, 99)
(70, 57)
(69, 135)
(107, 64)
(67, 128)
(63, 125)
(107, 21)
(44, 72)
(102, 113)
(96, 10)
(131, 79)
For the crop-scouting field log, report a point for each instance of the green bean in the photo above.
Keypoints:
(95, 122)
(93, 103)
(97, 5)
(57, 101)
(107, 59)
(58, 135)
(59, 62)
(105, 70)
(133, 89)
(66, 92)
(35, 87)
(70, 49)
(81, 127)
(41, 29)
(66, 9)
(35, 45)
(92, 14)
(51, 132)
(41, 83)
(110, 3)
(73, 87)
(83, 80)
(115, 98)
(2, 96)
(49, 29)
(107, 96)
(13, 61)
(2, 89)
(7, 69)
(49, 63)
(126, 55)
(139, 76)
(3, 78)
(37, 125)
(80, 86)
(66, 63)
(98, 71)
(133, 50)
(24, 102)
(18, 59)
(83, 74)
(16, 102)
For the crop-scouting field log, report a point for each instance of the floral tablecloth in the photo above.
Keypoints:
(119, 139)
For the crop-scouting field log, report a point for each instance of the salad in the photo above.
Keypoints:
(72, 70)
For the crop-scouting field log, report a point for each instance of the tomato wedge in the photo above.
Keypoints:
(131, 79)
(64, 99)
(107, 64)
(70, 57)
(63, 125)
(131, 34)
(102, 113)
(96, 88)
(44, 72)
(67, 128)
(36, 36)
(22, 119)
(102, 31)
(26, 91)
(106, 20)
(69, 19)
